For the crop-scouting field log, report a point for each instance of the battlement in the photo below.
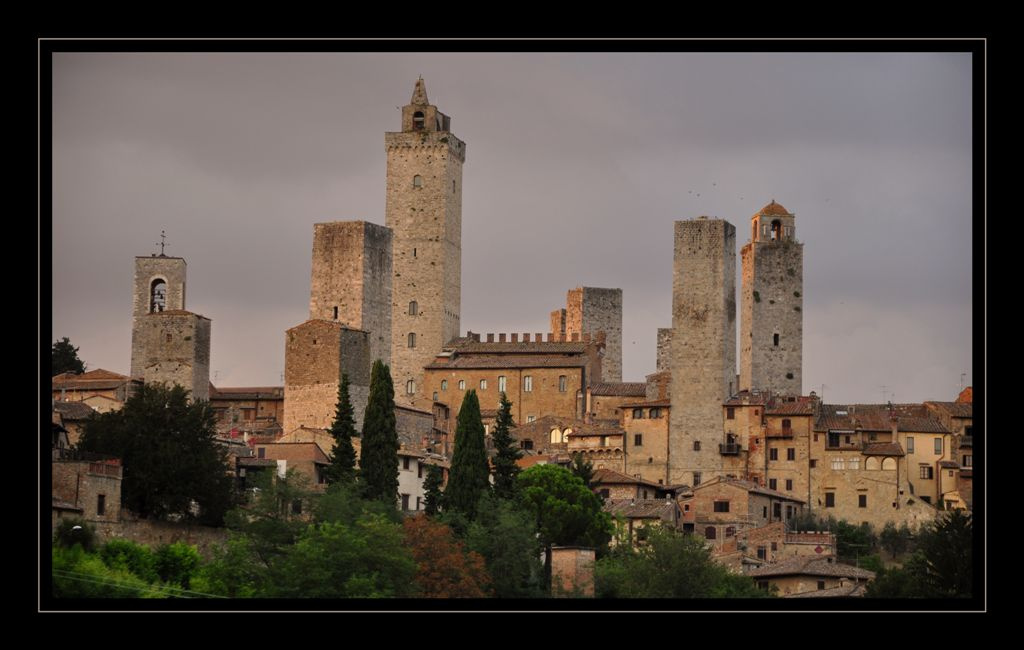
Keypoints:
(596, 338)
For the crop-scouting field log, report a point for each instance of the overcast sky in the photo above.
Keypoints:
(576, 167)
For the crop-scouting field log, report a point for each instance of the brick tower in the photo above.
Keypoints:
(169, 344)
(590, 310)
(424, 211)
(771, 325)
(703, 345)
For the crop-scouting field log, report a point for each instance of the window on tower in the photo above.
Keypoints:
(158, 295)
(417, 121)
(417, 181)
(412, 308)
(776, 339)
(412, 340)
(776, 230)
(410, 387)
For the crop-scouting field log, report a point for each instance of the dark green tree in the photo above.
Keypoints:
(470, 473)
(504, 535)
(582, 468)
(64, 358)
(506, 452)
(564, 510)
(895, 540)
(167, 447)
(432, 489)
(343, 454)
(669, 565)
(378, 459)
(942, 566)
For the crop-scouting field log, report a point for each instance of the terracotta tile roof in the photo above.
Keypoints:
(812, 566)
(949, 464)
(846, 591)
(883, 449)
(415, 410)
(252, 461)
(643, 508)
(98, 379)
(488, 413)
(611, 477)
(623, 389)
(746, 398)
(599, 428)
(954, 409)
(469, 346)
(911, 418)
(657, 402)
(800, 407)
(73, 410)
(774, 208)
(255, 392)
(64, 505)
(966, 395)
(749, 486)
(508, 362)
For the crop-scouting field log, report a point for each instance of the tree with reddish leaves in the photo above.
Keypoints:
(444, 568)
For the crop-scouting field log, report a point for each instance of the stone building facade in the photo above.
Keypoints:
(646, 425)
(351, 280)
(771, 327)
(591, 310)
(664, 349)
(722, 508)
(539, 377)
(169, 344)
(317, 354)
(703, 359)
(86, 487)
(605, 399)
(424, 211)
(250, 410)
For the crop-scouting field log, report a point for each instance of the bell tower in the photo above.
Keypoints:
(423, 208)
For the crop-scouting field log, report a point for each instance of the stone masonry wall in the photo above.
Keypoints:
(147, 270)
(772, 304)
(426, 222)
(352, 272)
(174, 348)
(81, 482)
(590, 310)
(316, 354)
(664, 348)
(703, 359)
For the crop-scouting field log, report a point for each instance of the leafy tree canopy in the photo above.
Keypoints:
(566, 512)
(64, 358)
(170, 457)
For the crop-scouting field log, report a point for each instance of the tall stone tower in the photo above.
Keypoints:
(351, 281)
(703, 345)
(771, 325)
(589, 310)
(424, 211)
(169, 344)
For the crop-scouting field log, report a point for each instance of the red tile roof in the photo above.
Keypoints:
(611, 477)
(883, 449)
(954, 409)
(73, 410)
(812, 566)
(749, 486)
(657, 402)
(774, 208)
(800, 407)
(746, 398)
(643, 508)
(623, 389)
(911, 418)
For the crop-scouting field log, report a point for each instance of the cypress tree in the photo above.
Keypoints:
(505, 468)
(378, 460)
(470, 472)
(343, 454)
(432, 489)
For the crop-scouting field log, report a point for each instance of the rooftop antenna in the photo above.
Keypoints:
(162, 242)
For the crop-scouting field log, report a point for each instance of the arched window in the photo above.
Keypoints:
(417, 121)
(776, 230)
(565, 435)
(410, 387)
(413, 308)
(709, 532)
(158, 295)
(638, 414)
(444, 384)
(435, 395)
(889, 464)
(417, 181)
(556, 436)
(412, 339)
(462, 384)
(655, 413)
(872, 464)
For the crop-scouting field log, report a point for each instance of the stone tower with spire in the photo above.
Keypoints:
(771, 322)
(424, 211)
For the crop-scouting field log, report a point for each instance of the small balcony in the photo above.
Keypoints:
(729, 448)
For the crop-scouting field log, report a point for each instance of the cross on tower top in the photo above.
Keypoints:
(162, 243)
